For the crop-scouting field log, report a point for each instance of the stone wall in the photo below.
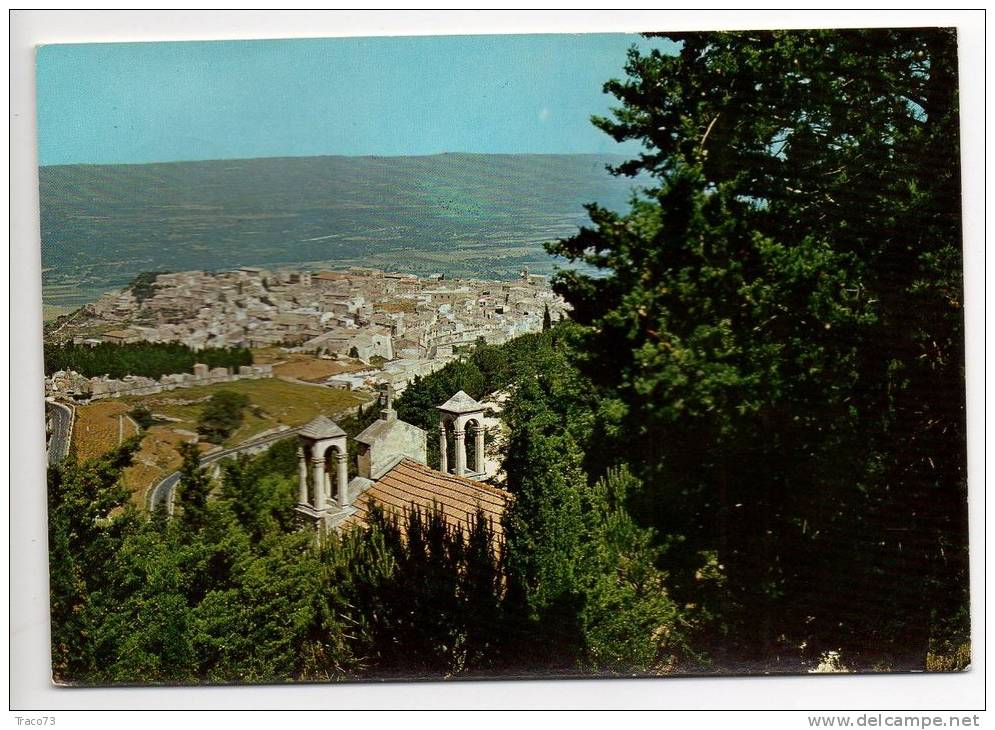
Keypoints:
(73, 385)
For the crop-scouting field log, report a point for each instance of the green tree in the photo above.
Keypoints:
(628, 620)
(193, 489)
(143, 632)
(547, 321)
(88, 515)
(280, 618)
(262, 501)
(776, 336)
(418, 404)
(426, 595)
(222, 415)
(582, 576)
(142, 416)
(544, 529)
(144, 285)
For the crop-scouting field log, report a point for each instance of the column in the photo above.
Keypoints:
(328, 489)
(343, 469)
(443, 447)
(478, 432)
(318, 467)
(460, 435)
(302, 475)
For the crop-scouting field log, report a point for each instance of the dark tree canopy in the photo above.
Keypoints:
(778, 332)
(149, 359)
(221, 415)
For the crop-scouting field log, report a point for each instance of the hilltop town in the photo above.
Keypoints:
(398, 324)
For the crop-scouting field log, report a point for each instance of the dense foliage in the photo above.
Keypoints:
(776, 339)
(483, 370)
(231, 590)
(149, 359)
(584, 592)
(429, 602)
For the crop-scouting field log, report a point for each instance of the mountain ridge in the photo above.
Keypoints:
(605, 155)
(476, 215)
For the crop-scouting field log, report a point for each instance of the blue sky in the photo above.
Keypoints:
(148, 102)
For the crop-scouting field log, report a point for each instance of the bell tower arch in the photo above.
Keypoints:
(457, 413)
(322, 453)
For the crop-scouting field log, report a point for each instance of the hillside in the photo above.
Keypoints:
(474, 215)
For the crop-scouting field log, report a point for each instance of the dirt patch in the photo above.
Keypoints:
(158, 456)
(268, 356)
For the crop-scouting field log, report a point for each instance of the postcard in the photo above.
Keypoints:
(508, 356)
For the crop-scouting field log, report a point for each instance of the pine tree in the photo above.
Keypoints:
(480, 592)
(777, 331)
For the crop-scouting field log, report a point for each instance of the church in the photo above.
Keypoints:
(392, 470)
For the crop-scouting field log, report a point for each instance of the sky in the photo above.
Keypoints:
(155, 102)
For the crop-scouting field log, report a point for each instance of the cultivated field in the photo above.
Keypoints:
(301, 366)
(96, 429)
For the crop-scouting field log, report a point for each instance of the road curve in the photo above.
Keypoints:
(163, 490)
(62, 430)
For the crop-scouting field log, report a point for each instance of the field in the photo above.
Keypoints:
(301, 366)
(273, 402)
(53, 311)
(159, 455)
(96, 429)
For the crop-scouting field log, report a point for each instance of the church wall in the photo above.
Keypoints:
(401, 439)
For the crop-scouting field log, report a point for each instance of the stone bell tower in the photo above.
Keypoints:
(459, 412)
(321, 453)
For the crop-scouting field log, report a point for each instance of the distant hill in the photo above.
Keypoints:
(462, 214)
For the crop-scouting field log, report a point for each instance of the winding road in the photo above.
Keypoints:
(163, 490)
(62, 430)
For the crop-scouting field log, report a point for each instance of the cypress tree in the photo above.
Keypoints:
(193, 489)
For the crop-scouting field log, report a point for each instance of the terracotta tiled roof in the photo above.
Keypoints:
(410, 482)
